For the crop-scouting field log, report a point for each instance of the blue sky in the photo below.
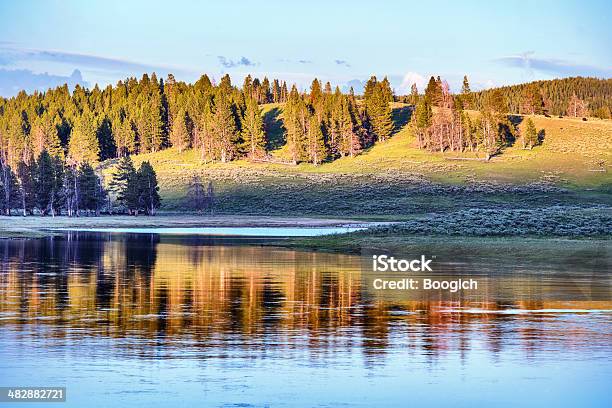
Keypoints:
(494, 43)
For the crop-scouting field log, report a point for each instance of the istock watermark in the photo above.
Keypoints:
(392, 274)
(478, 273)
(384, 263)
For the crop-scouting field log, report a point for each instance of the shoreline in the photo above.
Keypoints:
(569, 222)
(357, 242)
(18, 227)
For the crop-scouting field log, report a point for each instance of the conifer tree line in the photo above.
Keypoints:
(324, 125)
(136, 190)
(77, 130)
(221, 121)
(575, 97)
(51, 186)
(137, 116)
(450, 127)
(51, 142)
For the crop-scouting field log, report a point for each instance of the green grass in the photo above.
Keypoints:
(395, 179)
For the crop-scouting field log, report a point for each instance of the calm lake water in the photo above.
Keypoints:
(147, 320)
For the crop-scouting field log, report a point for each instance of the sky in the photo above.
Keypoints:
(46, 43)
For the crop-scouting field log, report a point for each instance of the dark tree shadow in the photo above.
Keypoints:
(274, 129)
(509, 132)
(516, 120)
(400, 117)
(541, 136)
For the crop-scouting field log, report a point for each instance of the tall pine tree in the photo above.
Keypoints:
(83, 146)
(252, 130)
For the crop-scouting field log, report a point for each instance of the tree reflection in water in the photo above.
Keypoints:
(204, 294)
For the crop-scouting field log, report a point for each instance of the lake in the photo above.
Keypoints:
(143, 320)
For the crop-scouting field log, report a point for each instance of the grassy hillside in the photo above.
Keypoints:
(396, 179)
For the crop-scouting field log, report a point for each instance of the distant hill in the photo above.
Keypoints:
(556, 94)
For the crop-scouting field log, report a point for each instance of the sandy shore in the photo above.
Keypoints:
(33, 226)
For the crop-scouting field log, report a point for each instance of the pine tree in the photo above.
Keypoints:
(70, 191)
(369, 89)
(203, 85)
(180, 136)
(27, 188)
(530, 134)
(10, 197)
(434, 91)
(556, 95)
(252, 130)
(132, 198)
(83, 146)
(224, 128)
(225, 86)
(48, 183)
(90, 192)
(276, 90)
(468, 132)
(491, 119)
(203, 132)
(467, 99)
(44, 136)
(148, 188)
(124, 184)
(328, 88)
(266, 95)
(414, 94)
(380, 114)
(317, 151)
(350, 145)
(124, 135)
(316, 95)
(531, 100)
(247, 86)
(106, 141)
(295, 121)
(465, 87)
(422, 120)
(387, 92)
(153, 133)
(284, 95)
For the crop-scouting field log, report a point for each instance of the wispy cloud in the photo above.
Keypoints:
(228, 63)
(302, 61)
(10, 55)
(342, 62)
(32, 69)
(528, 62)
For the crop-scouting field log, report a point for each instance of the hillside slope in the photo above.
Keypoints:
(575, 157)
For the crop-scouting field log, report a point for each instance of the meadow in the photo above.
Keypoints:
(561, 188)
(395, 180)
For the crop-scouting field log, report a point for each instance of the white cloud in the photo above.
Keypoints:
(409, 79)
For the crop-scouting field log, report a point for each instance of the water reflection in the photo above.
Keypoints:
(154, 297)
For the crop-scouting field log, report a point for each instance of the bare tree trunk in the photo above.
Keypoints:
(23, 202)
(76, 196)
